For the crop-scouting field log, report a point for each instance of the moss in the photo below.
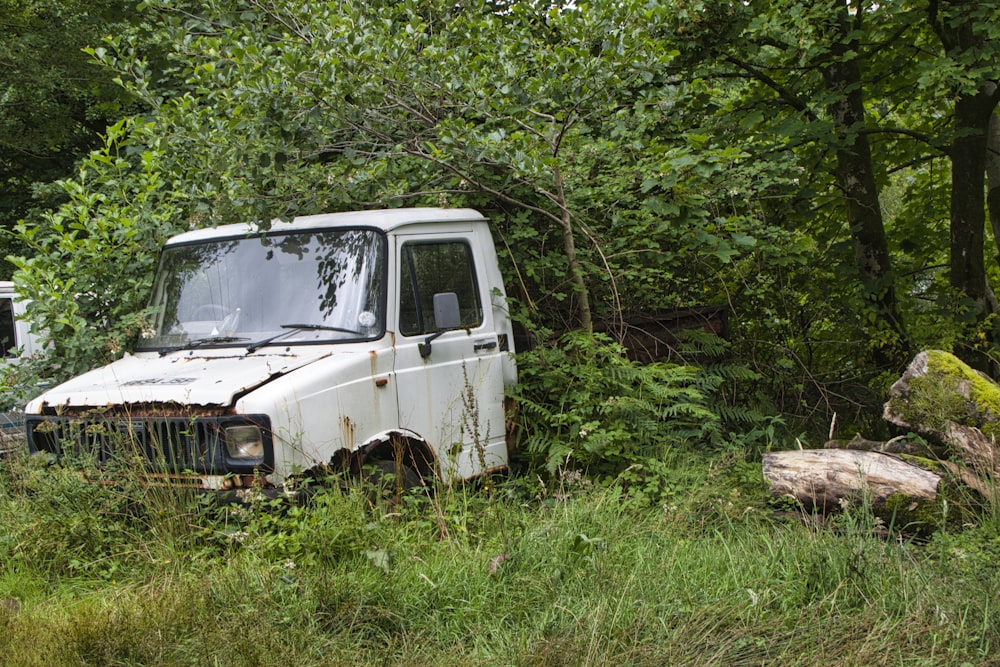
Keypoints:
(903, 513)
(923, 462)
(953, 509)
(983, 392)
(951, 391)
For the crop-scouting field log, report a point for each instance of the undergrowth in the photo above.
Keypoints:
(583, 403)
(694, 569)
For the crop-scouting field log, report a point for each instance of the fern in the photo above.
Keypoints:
(583, 401)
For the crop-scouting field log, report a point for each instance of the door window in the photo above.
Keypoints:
(433, 268)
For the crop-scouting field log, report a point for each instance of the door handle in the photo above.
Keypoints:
(481, 345)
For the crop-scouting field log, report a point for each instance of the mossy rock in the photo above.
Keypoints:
(938, 389)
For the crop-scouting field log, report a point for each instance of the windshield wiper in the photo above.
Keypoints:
(292, 328)
(198, 342)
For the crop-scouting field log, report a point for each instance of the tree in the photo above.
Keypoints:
(805, 64)
(971, 44)
(631, 156)
(993, 181)
(89, 263)
(300, 108)
(54, 101)
(855, 172)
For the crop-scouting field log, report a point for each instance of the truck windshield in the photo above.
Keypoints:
(312, 286)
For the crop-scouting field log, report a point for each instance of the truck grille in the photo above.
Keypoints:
(164, 444)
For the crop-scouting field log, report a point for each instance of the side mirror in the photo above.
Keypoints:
(447, 315)
(446, 312)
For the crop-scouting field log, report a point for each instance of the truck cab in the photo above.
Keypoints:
(16, 342)
(328, 342)
(16, 339)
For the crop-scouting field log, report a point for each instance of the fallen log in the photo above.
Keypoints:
(954, 412)
(820, 478)
(898, 445)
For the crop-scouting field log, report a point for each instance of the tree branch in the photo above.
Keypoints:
(784, 93)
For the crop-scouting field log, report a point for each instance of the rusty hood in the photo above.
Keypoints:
(202, 378)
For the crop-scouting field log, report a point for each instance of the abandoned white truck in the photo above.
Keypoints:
(17, 342)
(329, 342)
(16, 337)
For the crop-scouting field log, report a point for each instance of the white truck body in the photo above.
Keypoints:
(16, 339)
(312, 345)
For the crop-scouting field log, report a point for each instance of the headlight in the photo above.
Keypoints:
(244, 442)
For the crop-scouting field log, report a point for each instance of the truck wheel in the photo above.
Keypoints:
(387, 482)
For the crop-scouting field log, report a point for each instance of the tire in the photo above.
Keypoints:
(388, 483)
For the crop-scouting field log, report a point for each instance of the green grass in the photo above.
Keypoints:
(575, 573)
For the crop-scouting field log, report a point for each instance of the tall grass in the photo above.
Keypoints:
(516, 573)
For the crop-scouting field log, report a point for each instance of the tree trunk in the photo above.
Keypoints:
(954, 21)
(910, 446)
(945, 401)
(856, 178)
(968, 205)
(821, 478)
(993, 179)
(569, 247)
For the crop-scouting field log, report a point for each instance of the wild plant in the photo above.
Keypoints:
(582, 400)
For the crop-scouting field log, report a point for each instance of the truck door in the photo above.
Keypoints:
(8, 328)
(449, 375)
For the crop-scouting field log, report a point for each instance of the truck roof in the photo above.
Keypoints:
(384, 219)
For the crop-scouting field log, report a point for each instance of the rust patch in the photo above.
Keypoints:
(654, 336)
(139, 410)
(347, 429)
(182, 481)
